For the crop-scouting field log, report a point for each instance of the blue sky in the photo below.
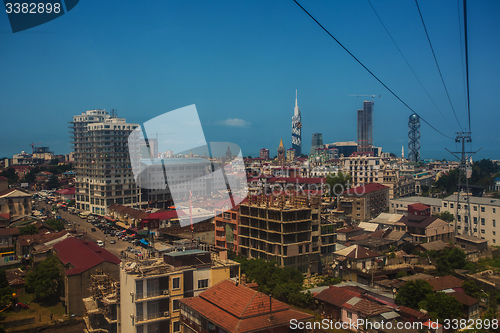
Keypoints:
(240, 62)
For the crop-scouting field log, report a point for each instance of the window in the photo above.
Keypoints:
(475, 208)
(475, 219)
(494, 233)
(482, 221)
(459, 218)
(300, 249)
(202, 284)
(482, 209)
(445, 204)
(451, 205)
(176, 305)
(176, 283)
(494, 223)
(177, 326)
(349, 315)
(482, 231)
(494, 210)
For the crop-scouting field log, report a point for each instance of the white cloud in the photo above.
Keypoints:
(234, 122)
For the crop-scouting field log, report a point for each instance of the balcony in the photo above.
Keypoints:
(152, 294)
(152, 316)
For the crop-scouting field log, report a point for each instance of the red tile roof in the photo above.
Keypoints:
(237, 308)
(82, 255)
(368, 308)
(464, 298)
(27, 240)
(336, 295)
(445, 282)
(165, 215)
(367, 188)
(9, 231)
(411, 312)
(66, 191)
(3, 178)
(361, 253)
(5, 216)
(419, 206)
(349, 229)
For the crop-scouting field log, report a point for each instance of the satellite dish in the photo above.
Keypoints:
(364, 270)
(335, 262)
(348, 265)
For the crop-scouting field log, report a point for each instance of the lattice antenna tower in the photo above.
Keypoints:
(414, 138)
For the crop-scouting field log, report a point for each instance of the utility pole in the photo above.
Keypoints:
(463, 137)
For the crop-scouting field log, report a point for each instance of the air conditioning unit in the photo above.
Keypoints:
(165, 314)
(165, 292)
(132, 315)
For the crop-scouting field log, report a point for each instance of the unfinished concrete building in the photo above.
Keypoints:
(284, 229)
(102, 308)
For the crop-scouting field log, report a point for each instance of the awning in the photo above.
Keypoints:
(143, 232)
(144, 242)
(124, 231)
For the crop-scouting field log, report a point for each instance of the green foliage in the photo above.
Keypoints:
(329, 281)
(53, 182)
(283, 284)
(401, 274)
(6, 290)
(445, 216)
(448, 183)
(71, 203)
(59, 169)
(11, 174)
(55, 224)
(441, 306)
(338, 183)
(413, 292)
(471, 288)
(451, 259)
(46, 280)
(30, 229)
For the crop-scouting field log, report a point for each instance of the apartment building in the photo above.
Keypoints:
(364, 202)
(484, 215)
(150, 290)
(284, 229)
(226, 229)
(103, 175)
(400, 205)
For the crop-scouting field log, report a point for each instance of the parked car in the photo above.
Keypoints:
(92, 229)
(112, 241)
(100, 243)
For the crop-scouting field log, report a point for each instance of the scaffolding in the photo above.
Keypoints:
(101, 308)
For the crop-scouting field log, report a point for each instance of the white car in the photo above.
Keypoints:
(100, 243)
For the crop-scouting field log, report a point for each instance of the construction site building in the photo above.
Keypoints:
(284, 229)
(102, 308)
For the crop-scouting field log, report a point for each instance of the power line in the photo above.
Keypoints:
(462, 53)
(466, 59)
(400, 52)
(435, 60)
(376, 78)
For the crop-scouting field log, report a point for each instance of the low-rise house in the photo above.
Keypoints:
(411, 315)
(355, 263)
(446, 283)
(470, 305)
(369, 227)
(8, 237)
(16, 203)
(427, 228)
(365, 201)
(332, 299)
(386, 220)
(15, 277)
(344, 234)
(81, 259)
(471, 243)
(232, 307)
(363, 309)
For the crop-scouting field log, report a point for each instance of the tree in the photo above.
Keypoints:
(338, 183)
(451, 259)
(445, 216)
(53, 182)
(6, 290)
(11, 174)
(471, 288)
(55, 224)
(46, 280)
(413, 292)
(30, 229)
(441, 306)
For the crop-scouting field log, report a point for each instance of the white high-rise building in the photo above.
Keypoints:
(103, 174)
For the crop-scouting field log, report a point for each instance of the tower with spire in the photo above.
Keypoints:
(296, 129)
(281, 153)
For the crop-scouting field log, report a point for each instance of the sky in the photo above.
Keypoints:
(241, 62)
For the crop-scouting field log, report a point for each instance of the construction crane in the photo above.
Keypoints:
(372, 96)
(33, 147)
